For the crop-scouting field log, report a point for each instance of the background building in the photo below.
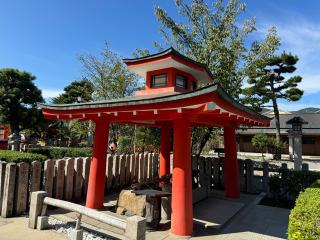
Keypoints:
(310, 137)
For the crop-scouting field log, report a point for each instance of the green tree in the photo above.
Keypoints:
(261, 142)
(108, 74)
(268, 84)
(215, 35)
(212, 35)
(77, 91)
(19, 98)
(111, 79)
(76, 132)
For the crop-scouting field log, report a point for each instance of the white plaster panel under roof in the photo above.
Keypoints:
(142, 69)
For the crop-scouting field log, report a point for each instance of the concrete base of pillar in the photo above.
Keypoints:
(76, 234)
(42, 222)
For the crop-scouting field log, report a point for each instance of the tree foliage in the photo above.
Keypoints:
(77, 91)
(18, 99)
(78, 133)
(269, 82)
(215, 35)
(264, 142)
(211, 34)
(108, 74)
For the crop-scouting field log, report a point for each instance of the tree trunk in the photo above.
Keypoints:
(277, 123)
(204, 141)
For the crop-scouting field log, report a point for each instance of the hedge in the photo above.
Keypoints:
(304, 219)
(288, 183)
(14, 156)
(61, 152)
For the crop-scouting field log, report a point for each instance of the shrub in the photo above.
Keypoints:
(263, 142)
(304, 219)
(288, 183)
(13, 156)
(61, 152)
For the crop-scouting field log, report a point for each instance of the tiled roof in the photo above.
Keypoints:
(313, 126)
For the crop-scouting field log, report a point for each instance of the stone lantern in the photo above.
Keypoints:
(295, 141)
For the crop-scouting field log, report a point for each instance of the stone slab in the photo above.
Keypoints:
(35, 176)
(8, 190)
(213, 212)
(48, 177)
(77, 181)
(68, 180)
(59, 179)
(21, 189)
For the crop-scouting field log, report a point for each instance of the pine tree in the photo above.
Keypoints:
(267, 83)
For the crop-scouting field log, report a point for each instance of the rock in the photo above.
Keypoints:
(132, 203)
(121, 210)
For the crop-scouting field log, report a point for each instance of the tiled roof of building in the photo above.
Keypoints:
(313, 126)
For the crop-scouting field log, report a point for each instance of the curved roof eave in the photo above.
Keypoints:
(159, 98)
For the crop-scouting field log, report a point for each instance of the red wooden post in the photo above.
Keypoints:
(182, 212)
(95, 195)
(164, 165)
(231, 162)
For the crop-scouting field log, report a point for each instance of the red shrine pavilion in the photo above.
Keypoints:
(171, 99)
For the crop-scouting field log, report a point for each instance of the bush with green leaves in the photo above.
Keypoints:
(14, 156)
(304, 219)
(264, 142)
(288, 183)
(61, 152)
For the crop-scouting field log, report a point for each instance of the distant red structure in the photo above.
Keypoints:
(4, 137)
(171, 100)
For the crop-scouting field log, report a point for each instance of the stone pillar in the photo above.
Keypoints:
(8, 190)
(68, 181)
(297, 152)
(266, 187)
(95, 195)
(290, 147)
(231, 162)
(164, 167)
(182, 209)
(21, 188)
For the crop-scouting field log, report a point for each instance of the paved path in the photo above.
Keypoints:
(17, 229)
(259, 222)
(256, 222)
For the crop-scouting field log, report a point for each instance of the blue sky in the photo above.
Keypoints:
(45, 37)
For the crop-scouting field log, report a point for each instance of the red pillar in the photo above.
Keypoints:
(95, 194)
(164, 166)
(231, 162)
(182, 212)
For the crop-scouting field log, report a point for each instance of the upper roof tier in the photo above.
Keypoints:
(169, 58)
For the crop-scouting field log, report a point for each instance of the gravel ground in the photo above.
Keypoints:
(66, 228)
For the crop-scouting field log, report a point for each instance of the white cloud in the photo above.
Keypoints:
(310, 83)
(51, 93)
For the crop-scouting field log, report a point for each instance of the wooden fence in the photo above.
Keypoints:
(67, 178)
(208, 172)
